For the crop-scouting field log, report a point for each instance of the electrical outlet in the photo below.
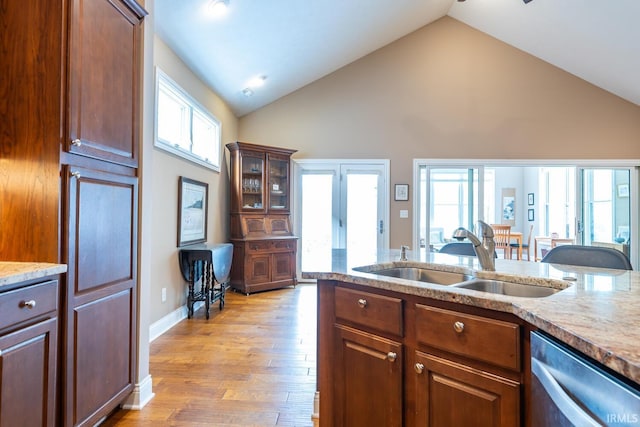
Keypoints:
(164, 294)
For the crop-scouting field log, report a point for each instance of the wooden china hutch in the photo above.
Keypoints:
(264, 248)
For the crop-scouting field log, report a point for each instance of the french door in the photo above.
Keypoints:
(606, 202)
(340, 205)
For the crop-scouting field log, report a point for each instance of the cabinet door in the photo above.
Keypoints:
(368, 380)
(258, 268)
(104, 79)
(100, 324)
(278, 183)
(27, 376)
(252, 182)
(283, 267)
(451, 394)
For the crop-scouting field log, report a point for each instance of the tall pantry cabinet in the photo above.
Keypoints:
(70, 108)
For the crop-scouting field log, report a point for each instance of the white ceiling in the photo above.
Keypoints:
(294, 42)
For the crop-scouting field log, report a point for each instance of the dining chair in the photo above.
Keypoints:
(525, 246)
(502, 237)
(588, 256)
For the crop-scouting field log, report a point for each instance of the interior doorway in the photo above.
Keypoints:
(588, 203)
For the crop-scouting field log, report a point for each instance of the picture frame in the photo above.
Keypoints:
(623, 190)
(509, 211)
(401, 192)
(531, 215)
(193, 207)
(530, 199)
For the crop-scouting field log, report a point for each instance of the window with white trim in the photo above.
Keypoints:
(183, 126)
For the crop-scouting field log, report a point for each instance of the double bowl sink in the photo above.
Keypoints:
(462, 280)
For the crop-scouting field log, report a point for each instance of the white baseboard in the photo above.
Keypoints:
(141, 395)
(170, 320)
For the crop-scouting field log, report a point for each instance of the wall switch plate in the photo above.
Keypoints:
(164, 294)
(404, 213)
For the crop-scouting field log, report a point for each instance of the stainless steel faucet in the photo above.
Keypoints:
(403, 253)
(485, 249)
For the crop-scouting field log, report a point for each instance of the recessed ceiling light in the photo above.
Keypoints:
(256, 81)
(218, 7)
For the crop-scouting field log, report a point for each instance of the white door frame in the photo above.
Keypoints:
(298, 165)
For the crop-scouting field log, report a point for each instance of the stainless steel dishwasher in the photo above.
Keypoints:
(567, 389)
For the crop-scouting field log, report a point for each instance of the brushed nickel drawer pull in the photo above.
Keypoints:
(458, 327)
(391, 356)
(362, 303)
(419, 367)
(76, 174)
(29, 304)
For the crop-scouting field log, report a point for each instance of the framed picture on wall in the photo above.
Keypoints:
(193, 205)
(402, 192)
(530, 199)
(531, 215)
(623, 190)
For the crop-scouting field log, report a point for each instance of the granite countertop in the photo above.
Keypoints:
(597, 312)
(16, 272)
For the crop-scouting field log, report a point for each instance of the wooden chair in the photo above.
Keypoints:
(525, 246)
(502, 237)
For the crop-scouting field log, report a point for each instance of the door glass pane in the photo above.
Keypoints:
(317, 222)
(606, 208)
(362, 213)
(453, 199)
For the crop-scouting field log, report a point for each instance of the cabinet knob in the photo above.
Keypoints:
(458, 327)
(28, 304)
(76, 174)
(419, 367)
(391, 356)
(76, 142)
(362, 303)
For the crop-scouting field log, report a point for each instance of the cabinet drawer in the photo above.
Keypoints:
(488, 340)
(261, 246)
(284, 245)
(30, 302)
(369, 310)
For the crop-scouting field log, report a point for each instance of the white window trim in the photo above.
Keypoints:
(187, 155)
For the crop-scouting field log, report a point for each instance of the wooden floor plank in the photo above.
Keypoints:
(251, 364)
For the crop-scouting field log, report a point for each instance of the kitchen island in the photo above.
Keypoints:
(595, 312)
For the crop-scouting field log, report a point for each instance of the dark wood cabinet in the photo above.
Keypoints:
(71, 131)
(28, 354)
(368, 381)
(455, 394)
(100, 346)
(105, 53)
(386, 358)
(264, 254)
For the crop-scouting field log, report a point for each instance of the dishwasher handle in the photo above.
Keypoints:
(565, 404)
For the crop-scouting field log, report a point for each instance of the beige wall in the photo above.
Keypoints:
(166, 170)
(447, 91)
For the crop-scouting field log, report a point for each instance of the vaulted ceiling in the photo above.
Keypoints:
(295, 42)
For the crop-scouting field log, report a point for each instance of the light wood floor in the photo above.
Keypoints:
(251, 364)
